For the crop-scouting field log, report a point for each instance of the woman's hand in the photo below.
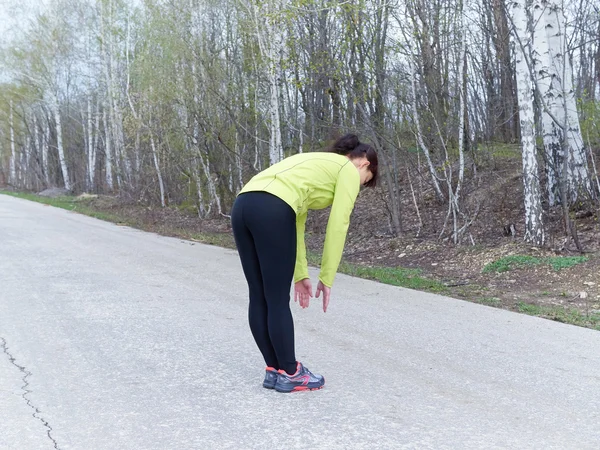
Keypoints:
(326, 293)
(303, 292)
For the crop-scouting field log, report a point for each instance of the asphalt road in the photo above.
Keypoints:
(112, 338)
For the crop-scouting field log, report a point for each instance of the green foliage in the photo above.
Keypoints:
(396, 276)
(590, 122)
(559, 314)
(565, 262)
(511, 262)
(505, 151)
(489, 301)
(521, 261)
(218, 239)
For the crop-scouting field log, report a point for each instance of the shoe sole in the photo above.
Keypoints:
(299, 388)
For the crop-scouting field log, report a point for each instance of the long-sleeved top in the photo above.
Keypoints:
(314, 181)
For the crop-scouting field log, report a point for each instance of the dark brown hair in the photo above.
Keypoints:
(349, 145)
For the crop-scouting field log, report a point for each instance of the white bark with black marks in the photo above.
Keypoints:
(91, 147)
(534, 227)
(107, 151)
(59, 141)
(553, 74)
(13, 153)
(45, 147)
(158, 171)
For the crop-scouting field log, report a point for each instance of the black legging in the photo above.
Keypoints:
(264, 227)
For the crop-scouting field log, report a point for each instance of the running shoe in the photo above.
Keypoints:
(270, 378)
(302, 380)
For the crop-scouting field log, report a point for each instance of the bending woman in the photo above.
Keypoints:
(268, 220)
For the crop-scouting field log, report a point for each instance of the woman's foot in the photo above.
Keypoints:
(270, 378)
(302, 380)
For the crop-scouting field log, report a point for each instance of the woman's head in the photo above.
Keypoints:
(362, 155)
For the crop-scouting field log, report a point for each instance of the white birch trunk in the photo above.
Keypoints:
(13, 153)
(107, 151)
(96, 132)
(555, 81)
(549, 91)
(133, 173)
(257, 160)
(59, 142)
(158, 172)
(534, 228)
(91, 148)
(136, 150)
(202, 212)
(238, 161)
(461, 137)
(45, 145)
(27, 178)
(36, 138)
(117, 122)
(114, 115)
(211, 184)
(579, 175)
(270, 40)
(275, 144)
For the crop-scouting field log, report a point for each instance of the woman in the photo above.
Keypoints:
(268, 220)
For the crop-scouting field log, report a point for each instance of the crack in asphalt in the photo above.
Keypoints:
(26, 392)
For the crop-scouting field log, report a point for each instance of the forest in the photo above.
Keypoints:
(485, 114)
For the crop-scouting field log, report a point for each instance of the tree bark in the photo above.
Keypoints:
(13, 152)
(107, 151)
(59, 142)
(534, 228)
(554, 80)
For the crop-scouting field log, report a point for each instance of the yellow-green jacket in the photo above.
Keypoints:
(314, 181)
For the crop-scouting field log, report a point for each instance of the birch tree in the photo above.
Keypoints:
(42, 61)
(264, 15)
(13, 153)
(563, 143)
(534, 228)
(109, 28)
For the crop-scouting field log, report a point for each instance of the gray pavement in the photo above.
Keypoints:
(112, 338)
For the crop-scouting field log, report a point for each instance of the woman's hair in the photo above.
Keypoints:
(349, 145)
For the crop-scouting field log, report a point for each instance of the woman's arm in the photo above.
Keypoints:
(346, 191)
(301, 269)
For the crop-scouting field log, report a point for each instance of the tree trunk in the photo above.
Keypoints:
(91, 148)
(554, 80)
(107, 151)
(13, 154)
(36, 147)
(534, 228)
(501, 36)
(45, 145)
(270, 41)
(59, 143)
(158, 172)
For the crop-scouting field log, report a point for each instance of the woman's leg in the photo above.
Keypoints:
(272, 224)
(257, 309)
